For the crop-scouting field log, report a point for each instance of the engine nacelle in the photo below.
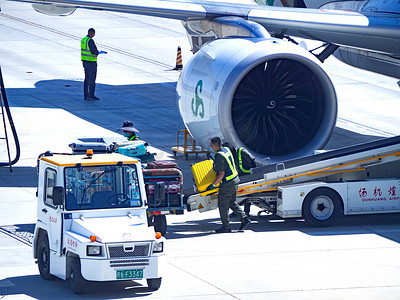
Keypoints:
(267, 95)
(54, 9)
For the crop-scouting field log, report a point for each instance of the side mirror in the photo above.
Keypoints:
(58, 195)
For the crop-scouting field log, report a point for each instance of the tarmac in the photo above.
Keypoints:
(358, 257)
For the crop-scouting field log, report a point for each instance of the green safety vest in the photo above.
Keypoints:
(240, 161)
(85, 50)
(231, 173)
(134, 137)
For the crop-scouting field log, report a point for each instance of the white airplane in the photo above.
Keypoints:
(249, 82)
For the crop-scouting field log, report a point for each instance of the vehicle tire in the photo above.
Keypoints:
(43, 252)
(160, 224)
(322, 207)
(76, 280)
(154, 283)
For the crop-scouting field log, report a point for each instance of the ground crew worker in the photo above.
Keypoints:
(89, 54)
(129, 131)
(244, 161)
(227, 174)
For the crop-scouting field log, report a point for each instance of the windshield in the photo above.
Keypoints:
(101, 187)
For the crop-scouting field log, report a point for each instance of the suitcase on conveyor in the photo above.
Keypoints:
(162, 164)
(204, 175)
(98, 145)
(133, 149)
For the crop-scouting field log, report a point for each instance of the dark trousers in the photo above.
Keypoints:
(89, 83)
(227, 200)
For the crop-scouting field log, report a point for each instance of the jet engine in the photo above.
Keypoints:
(267, 95)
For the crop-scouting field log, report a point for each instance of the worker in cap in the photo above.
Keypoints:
(227, 175)
(129, 131)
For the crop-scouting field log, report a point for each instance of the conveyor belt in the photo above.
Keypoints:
(258, 172)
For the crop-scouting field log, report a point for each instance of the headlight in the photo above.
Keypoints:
(93, 250)
(158, 247)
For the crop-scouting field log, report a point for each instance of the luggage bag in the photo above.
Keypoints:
(163, 182)
(204, 175)
(162, 164)
(136, 148)
(98, 145)
(133, 149)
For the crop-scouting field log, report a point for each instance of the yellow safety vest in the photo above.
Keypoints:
(231, 173)
(85, 50)
(240, 161)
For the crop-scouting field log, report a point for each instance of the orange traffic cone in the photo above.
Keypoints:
(179, 65)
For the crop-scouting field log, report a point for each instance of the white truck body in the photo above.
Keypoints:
(357, 197)
(361, 179)
(100, 223)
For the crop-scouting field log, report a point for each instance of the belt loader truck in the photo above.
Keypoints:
(92, 221)
(362, 179)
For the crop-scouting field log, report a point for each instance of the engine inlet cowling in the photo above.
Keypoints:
(267, 95)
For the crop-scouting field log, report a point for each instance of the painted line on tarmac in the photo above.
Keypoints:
(366, 128)
(205, 281)
(123, 52)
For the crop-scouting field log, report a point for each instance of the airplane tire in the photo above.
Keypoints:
(322, 207)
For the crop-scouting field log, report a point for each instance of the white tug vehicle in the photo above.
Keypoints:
(92, 221)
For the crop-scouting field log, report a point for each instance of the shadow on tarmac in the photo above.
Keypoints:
(347, 225)
(362, 224)
(153, 108)
(138, 102)
(19, 177)
(37, 288)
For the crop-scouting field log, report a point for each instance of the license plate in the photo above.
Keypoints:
(128, 274)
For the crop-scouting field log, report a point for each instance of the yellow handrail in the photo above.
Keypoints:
(317, 172)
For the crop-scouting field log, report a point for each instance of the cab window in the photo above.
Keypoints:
(50, 181)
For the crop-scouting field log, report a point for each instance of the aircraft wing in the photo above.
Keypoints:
(338, 27)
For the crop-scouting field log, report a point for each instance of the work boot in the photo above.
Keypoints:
(223, 230)
(246, 221)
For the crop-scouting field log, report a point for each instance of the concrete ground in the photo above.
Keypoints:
(273, 259)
